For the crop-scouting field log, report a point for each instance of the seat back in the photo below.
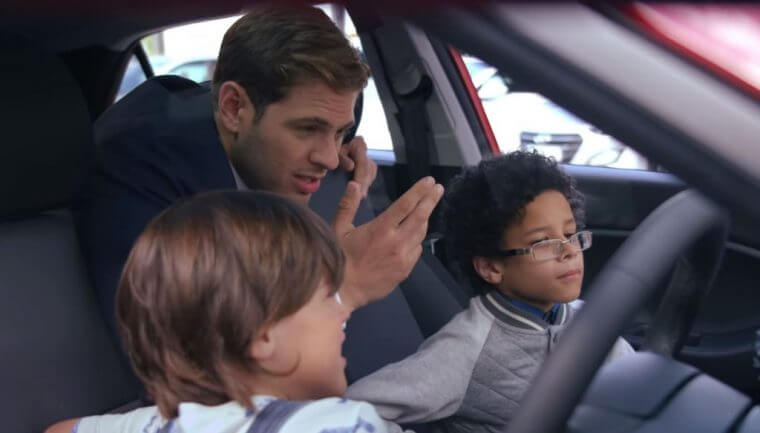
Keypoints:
(58, 360)
(391, 329)
(381, 332)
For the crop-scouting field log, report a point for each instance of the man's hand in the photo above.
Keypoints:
(381, 253)
(353, 158)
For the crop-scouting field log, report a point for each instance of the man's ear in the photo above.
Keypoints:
(488, 269)
(236, 110)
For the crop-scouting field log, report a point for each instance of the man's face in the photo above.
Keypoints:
(296, 141)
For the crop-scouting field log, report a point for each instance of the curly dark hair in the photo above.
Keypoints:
(482, 201)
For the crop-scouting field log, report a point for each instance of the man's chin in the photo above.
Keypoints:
(302, 199)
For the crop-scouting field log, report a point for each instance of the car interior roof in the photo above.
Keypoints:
(117, 27)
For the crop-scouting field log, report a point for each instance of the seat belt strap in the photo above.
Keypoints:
(414, 121)
(274, 415)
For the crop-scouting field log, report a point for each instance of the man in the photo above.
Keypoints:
(281, 100)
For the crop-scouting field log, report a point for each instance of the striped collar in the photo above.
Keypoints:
(505, 311)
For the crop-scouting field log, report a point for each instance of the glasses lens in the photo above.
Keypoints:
(547, 250)
(584, 240)
(552, 248)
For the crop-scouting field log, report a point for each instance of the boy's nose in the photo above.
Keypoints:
(568, 251)
(344, 311)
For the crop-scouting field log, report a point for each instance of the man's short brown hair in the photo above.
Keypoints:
(272, 48)
(204, 278)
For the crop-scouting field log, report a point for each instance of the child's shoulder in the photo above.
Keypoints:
(144, 419)
(336, 415)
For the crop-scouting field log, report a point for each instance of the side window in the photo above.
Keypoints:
(191, 50)
(524, 120)
(199, 71)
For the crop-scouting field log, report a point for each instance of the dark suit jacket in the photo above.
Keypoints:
(157, 145)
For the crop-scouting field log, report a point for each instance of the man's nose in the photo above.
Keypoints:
(325, 154)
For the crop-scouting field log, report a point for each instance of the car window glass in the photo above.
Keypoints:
(196, 71)
(524, 120)
(191, 50)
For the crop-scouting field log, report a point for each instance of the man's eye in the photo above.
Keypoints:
(310, 128)
(539, 240)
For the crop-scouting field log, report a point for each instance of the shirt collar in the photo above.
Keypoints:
(521, 314)
(241, 186)
(548, 316)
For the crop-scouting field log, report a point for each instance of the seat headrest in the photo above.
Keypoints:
(46, 147)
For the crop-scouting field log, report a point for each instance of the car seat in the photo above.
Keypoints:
(391, 329)
(58, 360)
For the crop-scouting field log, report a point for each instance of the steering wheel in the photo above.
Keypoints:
(687, 230)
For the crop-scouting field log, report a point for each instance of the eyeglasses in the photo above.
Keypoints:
(551, 248)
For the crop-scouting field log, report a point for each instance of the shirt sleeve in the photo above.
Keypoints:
(142, 420)
(430, 384)
(339, 415)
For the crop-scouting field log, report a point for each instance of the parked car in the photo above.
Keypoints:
(622, 68)
(529, 121)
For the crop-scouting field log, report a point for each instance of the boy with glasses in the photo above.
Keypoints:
(513, 226)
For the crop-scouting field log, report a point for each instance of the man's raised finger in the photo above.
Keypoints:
(363, 165)
(406, 204)
(347, 207)
(417, 220)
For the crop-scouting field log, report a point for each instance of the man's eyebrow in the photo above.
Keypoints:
(319, 121)
(347, 126)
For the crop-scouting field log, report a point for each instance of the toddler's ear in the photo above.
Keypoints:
(262, 347)
(488, 269)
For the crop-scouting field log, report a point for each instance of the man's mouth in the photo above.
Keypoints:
(307, 184)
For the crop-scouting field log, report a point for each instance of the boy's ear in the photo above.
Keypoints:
(263, 346)
(488, 269)
(270, 351)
